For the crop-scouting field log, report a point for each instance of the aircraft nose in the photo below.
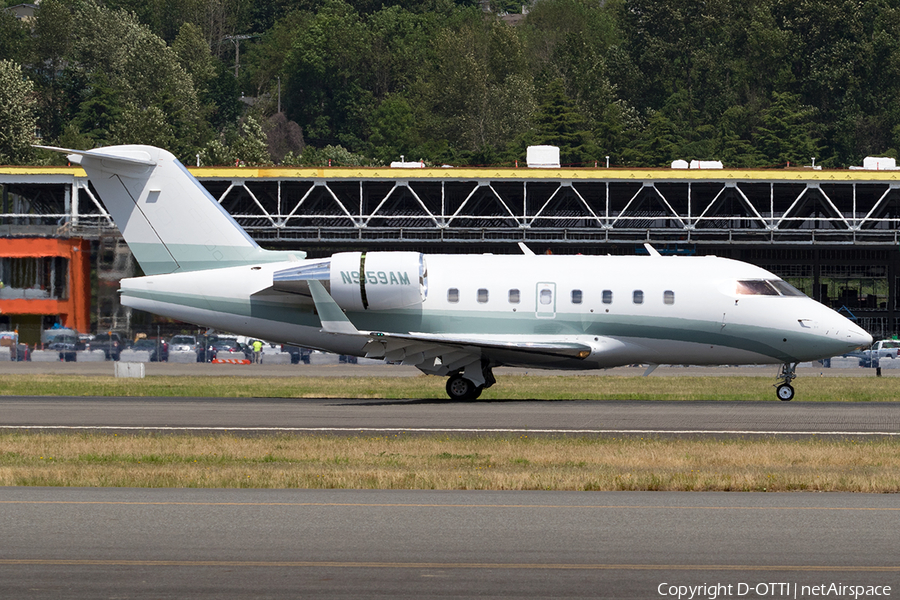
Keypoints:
(857, 336)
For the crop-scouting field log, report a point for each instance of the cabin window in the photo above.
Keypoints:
(668, 297)
(755, 287)
(637, 297)
(607, 296)
(514, 296)
(546, 297)
(576, 296)
(453, 295)
(482, 296)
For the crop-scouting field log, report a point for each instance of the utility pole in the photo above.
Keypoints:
(236, 40)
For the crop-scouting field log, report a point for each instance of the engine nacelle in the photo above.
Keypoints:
(378, 280)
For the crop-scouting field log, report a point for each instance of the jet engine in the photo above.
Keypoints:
(378, 280)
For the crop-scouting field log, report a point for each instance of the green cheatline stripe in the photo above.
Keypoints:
(743, 337)
(156, 259)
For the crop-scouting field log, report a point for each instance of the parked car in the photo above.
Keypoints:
(157, 347)
(872, 356)
(110, 342)
(221, 344)
(66, 345)
(183, 343)
(84, 341)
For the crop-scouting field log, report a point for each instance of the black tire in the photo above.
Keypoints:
(461, 389)
(785, 392)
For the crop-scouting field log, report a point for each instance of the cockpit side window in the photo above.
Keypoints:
(766, 287)
(755, 287)
(785, 288)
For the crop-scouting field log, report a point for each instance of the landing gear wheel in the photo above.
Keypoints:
(786, 375)
(785, 392)
(460, 388)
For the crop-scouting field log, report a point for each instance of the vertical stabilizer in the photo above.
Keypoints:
(170, 222)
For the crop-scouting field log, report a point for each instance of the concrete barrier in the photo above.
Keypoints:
(45, 356)
(323, 358)
(129, 369)
(844, 362)
(134, 356)
(276, 358)
(90, 356)
(5, 353)
(889, 363)
(183, 357)
(237, 358)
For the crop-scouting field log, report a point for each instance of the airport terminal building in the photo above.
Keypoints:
(831, 233)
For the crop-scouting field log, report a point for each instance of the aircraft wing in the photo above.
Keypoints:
(435, 354)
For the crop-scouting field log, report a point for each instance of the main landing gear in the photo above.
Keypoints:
(783, 387)
(461, 389)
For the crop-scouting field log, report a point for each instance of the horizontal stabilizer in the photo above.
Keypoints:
(170, 222)
(132, 158)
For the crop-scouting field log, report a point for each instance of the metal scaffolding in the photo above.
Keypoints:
(833, 233)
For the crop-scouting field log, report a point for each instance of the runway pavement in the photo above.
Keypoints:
(128, 543)
(176, 543)
(511, 416)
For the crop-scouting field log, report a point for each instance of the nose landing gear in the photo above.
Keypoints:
(783, 387)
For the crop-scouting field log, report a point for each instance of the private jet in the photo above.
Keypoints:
(457, 316)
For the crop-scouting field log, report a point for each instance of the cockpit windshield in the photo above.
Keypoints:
(766, 287)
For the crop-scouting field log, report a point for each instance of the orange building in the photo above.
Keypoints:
(45, 277)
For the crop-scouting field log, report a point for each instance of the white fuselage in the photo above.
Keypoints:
(634, 309)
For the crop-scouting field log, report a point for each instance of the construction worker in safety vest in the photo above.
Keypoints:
(257, 350)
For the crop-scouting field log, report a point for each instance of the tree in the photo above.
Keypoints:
(328, 82)
(282, 137)
(111, 49)
(17, 121)
(393, 129)
(786, 133)
(98, 112)
(478, 95)
(244, 144)
(558, 123)
(14, 38)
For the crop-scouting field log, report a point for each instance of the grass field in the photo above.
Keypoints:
(809, 389)
(441, 462)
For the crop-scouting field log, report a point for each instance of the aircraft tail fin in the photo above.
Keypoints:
(169, 221)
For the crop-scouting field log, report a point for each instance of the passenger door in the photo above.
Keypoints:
(545, 300)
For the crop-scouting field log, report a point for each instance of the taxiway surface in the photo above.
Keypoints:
(535, 417)
(170, 543)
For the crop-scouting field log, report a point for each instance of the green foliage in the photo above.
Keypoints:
(755, 83)
(329, 156)
(244, 144)
(17, 120)
(14, 38)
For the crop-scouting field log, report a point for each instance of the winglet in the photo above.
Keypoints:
(330, 314)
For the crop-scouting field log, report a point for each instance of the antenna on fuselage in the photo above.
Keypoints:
(650, 249)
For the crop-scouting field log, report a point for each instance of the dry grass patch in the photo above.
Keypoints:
(414, 462)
